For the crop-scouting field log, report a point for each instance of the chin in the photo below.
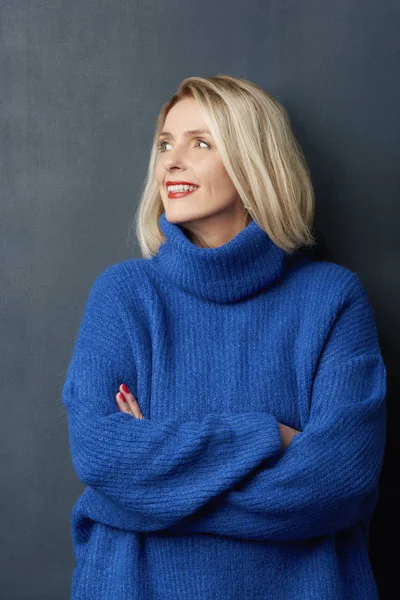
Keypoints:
(187, 213)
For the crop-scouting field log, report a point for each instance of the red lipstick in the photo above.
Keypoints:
(180, 194)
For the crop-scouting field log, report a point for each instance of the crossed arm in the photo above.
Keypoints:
(227, 474)
(128, 404)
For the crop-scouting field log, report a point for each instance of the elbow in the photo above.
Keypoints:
(369, 475)
(362, 484)
(361, 473)
(85, 471)
(370, 481)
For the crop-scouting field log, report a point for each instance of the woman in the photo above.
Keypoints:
(226, 395)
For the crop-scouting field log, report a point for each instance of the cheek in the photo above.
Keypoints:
(222, 181)
(212, 174)
(157, 174)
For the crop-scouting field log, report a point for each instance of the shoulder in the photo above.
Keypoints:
(122, 270)
(114, 292)
(326, 280)
(332, 304)
(121, 277)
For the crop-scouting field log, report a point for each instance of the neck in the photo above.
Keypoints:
(216, 230)
(243, 266)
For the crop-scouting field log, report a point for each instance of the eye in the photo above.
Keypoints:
(203, 142)
(161, 146)
(162, 149)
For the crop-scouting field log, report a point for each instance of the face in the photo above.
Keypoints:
(213, 213)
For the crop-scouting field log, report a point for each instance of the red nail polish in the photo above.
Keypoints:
(122, 397)
(125, 388)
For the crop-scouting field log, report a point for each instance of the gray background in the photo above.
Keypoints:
(81, 84)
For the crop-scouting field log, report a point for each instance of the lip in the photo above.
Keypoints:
(181, 194)
(167, 183)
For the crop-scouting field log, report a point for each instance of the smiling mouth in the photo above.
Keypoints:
(181, 194)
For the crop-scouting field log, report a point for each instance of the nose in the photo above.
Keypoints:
(174, 159)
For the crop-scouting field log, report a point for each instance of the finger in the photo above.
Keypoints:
(123, 403)
(132, 402)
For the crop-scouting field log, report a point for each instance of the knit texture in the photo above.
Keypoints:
(198, 501)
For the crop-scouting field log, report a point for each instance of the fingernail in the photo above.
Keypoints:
(122, 397)
(125, 388)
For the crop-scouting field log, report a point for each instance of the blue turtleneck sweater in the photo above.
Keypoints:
(198, 501)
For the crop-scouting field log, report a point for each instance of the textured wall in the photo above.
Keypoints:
(81, 84)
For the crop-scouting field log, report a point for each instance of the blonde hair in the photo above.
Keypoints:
(260, 153)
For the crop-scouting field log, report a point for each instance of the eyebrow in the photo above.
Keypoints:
(186, 133)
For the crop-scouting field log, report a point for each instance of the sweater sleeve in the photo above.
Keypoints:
(327, 479)
(152, 473)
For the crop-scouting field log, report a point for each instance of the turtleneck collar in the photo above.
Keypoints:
(249, 262)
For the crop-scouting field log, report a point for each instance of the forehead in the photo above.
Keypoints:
(185, 117)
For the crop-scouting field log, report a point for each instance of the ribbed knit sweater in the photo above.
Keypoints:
(197, 501)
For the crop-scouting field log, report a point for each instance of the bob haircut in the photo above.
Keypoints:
(261, 155)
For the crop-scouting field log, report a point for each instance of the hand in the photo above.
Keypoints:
(130, 406)
(287, 434)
